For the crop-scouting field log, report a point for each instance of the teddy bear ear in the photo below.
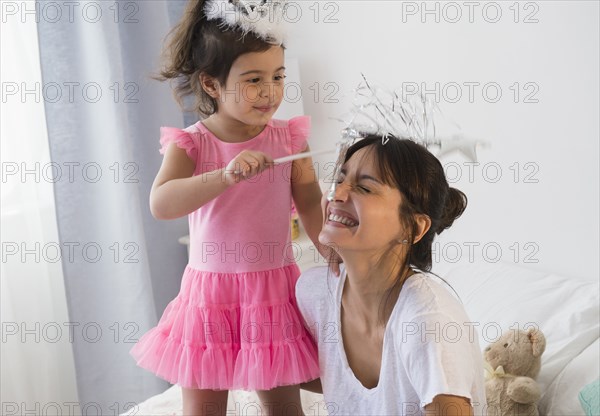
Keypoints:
(538, 341)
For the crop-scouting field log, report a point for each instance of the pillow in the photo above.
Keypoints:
(561, 397)
(590, 398)
(500, 296)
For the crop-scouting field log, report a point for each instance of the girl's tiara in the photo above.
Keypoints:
(264, 18)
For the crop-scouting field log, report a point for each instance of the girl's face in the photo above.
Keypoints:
(364, 214)
(254, 87)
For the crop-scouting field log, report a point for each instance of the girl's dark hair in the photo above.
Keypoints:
(419, 176)
(197, 45)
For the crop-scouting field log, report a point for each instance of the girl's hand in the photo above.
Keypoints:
(246, 165)
(332, 257)
(334, 264)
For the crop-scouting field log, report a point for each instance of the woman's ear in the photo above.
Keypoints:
(210, 85)
(423, 224)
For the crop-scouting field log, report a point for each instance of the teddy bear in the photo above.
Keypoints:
(512, 364)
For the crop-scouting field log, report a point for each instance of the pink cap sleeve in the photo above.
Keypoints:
(181, 138)
(299, 131)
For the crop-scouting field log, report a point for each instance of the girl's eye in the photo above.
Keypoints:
(280, 77)
(363, 189)
(254, 80)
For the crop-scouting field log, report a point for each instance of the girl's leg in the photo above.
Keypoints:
(204, 402)
(281, 401)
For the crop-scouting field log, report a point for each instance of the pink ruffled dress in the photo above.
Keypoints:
(235, 323)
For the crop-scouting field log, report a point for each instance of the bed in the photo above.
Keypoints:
(497, 297)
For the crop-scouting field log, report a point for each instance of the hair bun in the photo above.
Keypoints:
(456, 202)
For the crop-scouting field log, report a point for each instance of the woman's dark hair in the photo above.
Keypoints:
(197, 45)
(419, 176)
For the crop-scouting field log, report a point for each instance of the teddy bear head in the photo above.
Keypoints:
(518, 352)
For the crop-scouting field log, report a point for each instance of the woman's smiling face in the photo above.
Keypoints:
(364, 214)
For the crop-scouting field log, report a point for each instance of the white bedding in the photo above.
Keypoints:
(239, 403)
(502, 296)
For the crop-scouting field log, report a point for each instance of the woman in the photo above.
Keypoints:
(392, 338)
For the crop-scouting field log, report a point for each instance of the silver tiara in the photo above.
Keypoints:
(404, 115)
(264, 18)
(398, 114)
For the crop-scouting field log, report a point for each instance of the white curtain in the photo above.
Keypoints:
(126, 266)
(38, 374)
(54, 300)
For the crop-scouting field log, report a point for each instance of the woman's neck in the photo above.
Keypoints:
(231, 130)
(368, 283)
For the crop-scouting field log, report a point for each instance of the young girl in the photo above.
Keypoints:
(392, 338)
(235, 323)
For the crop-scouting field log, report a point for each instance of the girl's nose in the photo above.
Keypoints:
(267, 89)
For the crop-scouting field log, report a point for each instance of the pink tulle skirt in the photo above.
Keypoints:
(231, 331)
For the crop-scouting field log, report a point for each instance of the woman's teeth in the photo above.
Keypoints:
(343, 220)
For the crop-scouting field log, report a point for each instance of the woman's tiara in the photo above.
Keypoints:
(404, 115)
(398, 114)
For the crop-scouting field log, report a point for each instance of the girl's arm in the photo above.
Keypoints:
(175, 192)
(307, 197)
(446, 405)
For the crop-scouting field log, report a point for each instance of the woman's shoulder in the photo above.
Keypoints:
(316, 283)
(429, 283)
(428, 310)
(425, 293)
(315, 292)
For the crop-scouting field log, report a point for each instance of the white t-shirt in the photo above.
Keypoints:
(430, 347)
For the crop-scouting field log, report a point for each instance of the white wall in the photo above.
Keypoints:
(393, 42)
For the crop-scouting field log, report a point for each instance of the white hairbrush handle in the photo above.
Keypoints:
(301, 156)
